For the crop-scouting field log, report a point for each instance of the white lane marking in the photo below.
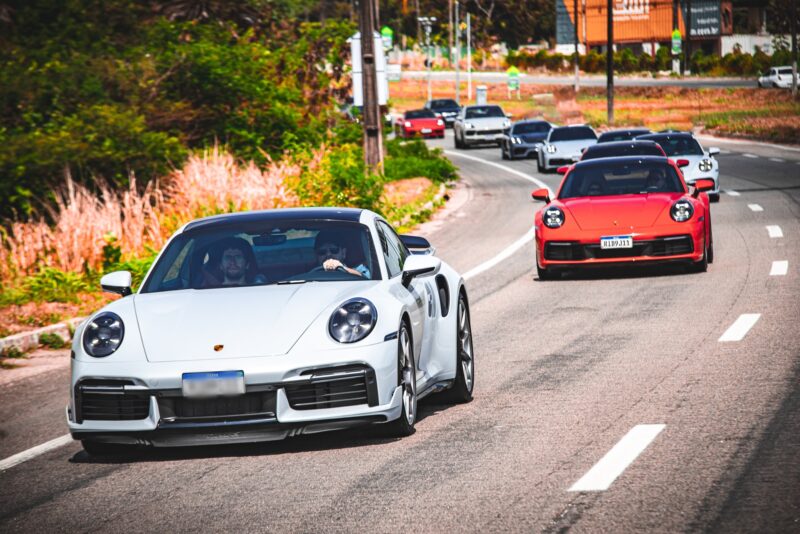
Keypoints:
(504, 167)
(779, 268)
(725, 152)
(503, 255)
(778, 160)
(755, 207)
(612, 465)
(774, 231)
(733, 193)
(740, 327)
(33, 452)
(751, 156)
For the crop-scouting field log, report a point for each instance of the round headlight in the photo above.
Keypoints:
(469, 125)
(352, 321)
(682, 211)
(103, 335)
(706, 165)
(553, 217)
(551, 149)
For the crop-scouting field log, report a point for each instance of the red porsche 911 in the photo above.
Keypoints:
(623, 210)
(422, 122)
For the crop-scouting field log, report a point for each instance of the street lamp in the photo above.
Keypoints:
(426, 24)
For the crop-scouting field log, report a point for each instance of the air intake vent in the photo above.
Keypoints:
(107, 400)
(334, 388)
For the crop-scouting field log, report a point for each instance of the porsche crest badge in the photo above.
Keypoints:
(218, 348)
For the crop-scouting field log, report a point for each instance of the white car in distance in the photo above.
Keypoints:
(476, 125)
(564, 146)
(695, 162)
(780, 77)
(256, 326)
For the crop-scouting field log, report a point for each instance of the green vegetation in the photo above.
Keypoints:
(410, 159)
(52, 341)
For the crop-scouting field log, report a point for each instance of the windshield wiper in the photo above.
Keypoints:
(286, 282)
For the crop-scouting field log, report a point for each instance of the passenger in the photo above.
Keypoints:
(595, 185)
(331, 254)
(236, 265)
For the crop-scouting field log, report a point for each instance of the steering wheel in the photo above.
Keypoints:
(319, 268)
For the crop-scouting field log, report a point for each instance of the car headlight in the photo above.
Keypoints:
(551, 149)
(516, 140)
(706, 165)
(352, 321)
(681, 211)
(407, 124)
(553, 217)
(469, 125)
(506, 123)
(440, 122)
(103, 335)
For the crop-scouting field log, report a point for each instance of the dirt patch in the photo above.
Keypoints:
(408, 191)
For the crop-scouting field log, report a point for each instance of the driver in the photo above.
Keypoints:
(331, 254)
(656, 180)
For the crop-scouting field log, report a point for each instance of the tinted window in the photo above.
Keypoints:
(621, 178)
(677, 145)
(394, 251)
(263, 253)
(785, 71)
(420, 114)
(608, 151)
(446, 103)
(572, 133)
(531, 127)
(482, 112)
(620, 135)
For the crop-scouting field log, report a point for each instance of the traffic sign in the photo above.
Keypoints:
(513, 78)
(676, 42)
(387, 35)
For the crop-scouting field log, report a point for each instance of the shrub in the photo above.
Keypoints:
(53, 285)
(412, 159)
(52, 341)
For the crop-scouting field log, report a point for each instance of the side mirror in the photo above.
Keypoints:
(118, 282)
(418, 265)
(509, 115)
(713, 151)
(702, 185)
(541, 194)
(563, 169)
(417, 244)
(682, 163)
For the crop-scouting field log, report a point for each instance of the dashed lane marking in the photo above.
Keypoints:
(779, 268)
(777, 160)
(755, 207)
(614, 463)
(733, 193)
(774, 231)
(740, 327)
(33, 452)
(751, 156)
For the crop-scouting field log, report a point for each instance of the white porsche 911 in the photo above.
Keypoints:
(256, 326)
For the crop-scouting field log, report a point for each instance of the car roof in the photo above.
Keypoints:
(621, 159)
(531, 121)
(285, 214)
(571, 126)
(663, 135)
(629, 142)
(625, 130)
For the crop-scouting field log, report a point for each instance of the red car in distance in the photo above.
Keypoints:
(623, 210)
(423, 122)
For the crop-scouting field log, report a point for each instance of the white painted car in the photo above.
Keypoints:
(777, 77)
(477, 125)
(261, 325)
(695, 162)
(564, 146)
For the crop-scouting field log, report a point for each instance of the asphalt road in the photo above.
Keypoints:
(565, 370)
(586, 80)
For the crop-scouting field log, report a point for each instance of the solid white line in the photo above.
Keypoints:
(779, 268)
(713, 139)
(612, 465)
(778, 160)
(774, 231)
(33, 452)
(504, 167)
(755, 207)
(751, 156)
(733, 193)
(503, 255)
(740, 327)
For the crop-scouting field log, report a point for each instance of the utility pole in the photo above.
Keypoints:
(469, 57)
(610, 62)
(794, 48)
(575, 12)
(458, 54)
(426, 24)
(373, 138)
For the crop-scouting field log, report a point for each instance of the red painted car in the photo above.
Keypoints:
(423, 122)
(623, 210)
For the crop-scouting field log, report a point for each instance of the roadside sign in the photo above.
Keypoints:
(393, 72)
(380, 69)
(480, 95)
(387, 35)
(513, 78)
(676, 42)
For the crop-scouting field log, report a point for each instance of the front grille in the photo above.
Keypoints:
(106, 400)
(484, 132)
(560, 161)
(182, 409)
(334, 388)
(663, 246)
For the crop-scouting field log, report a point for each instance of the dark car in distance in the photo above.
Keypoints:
(622, 148)
(523, 138)
(446, 108)
(621, 135)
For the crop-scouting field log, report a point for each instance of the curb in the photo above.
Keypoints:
(26, 341)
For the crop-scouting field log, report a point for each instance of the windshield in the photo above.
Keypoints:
(620, 135)
(572, 133)
(677, 146)
(785, 71)
(446, 103)
(531, 127)
(621, 178)
(420, 114)
(483, 112)
(632, 149)
(270, 252)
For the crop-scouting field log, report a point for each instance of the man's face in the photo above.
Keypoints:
(328, 251)
(234, 263)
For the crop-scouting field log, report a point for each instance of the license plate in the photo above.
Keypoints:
(619, 241)
(213, 384)
(426, 130)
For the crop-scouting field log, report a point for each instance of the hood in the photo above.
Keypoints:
(573, 147)
(629, 212)
(246, 321)
(488, 123)
(424, 122)
(532, 137)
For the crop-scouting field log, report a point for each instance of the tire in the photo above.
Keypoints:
(702, 265)
(713, 197)
(98, 449)
(464, 384)
(407, 379)
(710, 250)
(544, 273)
(503, 153)
(538, 165)
(455, 139)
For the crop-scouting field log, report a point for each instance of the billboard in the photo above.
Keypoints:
(635, 21)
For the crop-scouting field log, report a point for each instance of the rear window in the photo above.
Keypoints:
(420, 114)
(606, 151)
(620, 135)
(446, 103)
(785, 71)
(621, 178)
(483, 112)
(573, 133)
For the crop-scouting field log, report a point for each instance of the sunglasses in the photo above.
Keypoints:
(333, 249)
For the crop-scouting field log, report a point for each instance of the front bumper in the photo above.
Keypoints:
(557, 159)
(433, 133)
(524, 150)
(477, 137)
